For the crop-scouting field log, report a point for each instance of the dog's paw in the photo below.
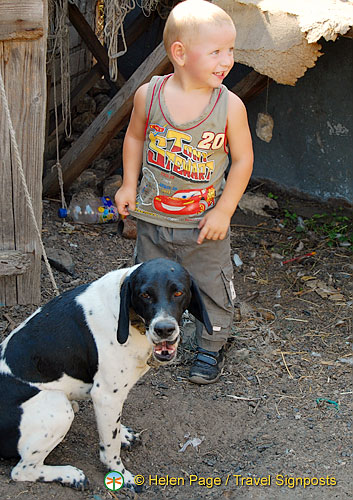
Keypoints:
(130, 483)
(63, 474)
(70, 476)
(129, 437)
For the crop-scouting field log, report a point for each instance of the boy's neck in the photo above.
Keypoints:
(185, 101)
(183, 83)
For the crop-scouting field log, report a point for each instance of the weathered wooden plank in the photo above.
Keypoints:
(13, 262)
(21, 19)
(25, 64)
(251, 85)
(107, 124)
(8, 292)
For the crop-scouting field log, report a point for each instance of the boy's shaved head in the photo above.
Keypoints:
(186, 18)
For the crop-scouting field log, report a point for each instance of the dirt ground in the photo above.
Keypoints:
(281, 412)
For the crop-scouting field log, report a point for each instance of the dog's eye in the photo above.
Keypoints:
(145, 295)
(178, 294)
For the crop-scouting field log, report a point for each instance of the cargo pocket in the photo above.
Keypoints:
(227, 278)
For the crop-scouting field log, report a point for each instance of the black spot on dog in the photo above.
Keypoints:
(115, 390)
(115, 431)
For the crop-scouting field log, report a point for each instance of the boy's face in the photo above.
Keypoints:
(209, 54)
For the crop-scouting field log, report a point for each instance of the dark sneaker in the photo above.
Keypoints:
(207, 366)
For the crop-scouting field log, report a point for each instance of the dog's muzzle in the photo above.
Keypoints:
(165, 337)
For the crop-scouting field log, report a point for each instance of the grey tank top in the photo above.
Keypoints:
(183, 165)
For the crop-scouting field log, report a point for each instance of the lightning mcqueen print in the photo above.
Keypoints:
(186, 202)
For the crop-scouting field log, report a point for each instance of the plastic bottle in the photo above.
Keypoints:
(91, 211)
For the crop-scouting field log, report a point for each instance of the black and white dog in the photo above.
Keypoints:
(93, 341)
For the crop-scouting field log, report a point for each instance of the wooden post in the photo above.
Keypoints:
(23, 39)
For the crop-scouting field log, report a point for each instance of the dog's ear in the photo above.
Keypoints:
(125, 302)
(198, 308)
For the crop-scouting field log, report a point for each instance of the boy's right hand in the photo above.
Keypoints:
(125, 200)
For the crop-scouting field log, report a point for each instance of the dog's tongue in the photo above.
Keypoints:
(164, 347)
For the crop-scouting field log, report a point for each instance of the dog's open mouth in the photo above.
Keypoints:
(165, 351)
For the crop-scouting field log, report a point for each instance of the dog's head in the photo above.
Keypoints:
(159, 291)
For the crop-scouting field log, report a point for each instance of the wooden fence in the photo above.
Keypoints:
(23, 39)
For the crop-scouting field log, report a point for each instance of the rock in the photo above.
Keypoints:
(112, 150)
(255, 203)
(82, 122)
(101, 168)
(61, 260)
(264, 127)
(86, 103)
(101, 101)
(88, 179)
(101, 87)
(111, 185)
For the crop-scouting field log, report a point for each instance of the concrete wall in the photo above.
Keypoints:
(312, 145)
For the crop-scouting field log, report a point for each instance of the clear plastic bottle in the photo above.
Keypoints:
(91, 211)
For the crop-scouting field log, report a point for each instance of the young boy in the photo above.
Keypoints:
(180, 130)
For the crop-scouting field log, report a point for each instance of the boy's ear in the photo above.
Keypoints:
(177, 52)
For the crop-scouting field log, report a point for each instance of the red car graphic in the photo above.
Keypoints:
(187, 202)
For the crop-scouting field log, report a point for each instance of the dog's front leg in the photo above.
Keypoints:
(108, 406)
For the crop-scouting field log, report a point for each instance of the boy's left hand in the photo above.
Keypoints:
(214, 225)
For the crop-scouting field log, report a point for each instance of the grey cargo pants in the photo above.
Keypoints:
(209, 263)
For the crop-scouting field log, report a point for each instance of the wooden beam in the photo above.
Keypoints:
(21, 19)
(88, 36)
(251, 85)
(13, 262)
(107, 124)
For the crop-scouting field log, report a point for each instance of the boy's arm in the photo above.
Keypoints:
(125, 197)
(215, 224)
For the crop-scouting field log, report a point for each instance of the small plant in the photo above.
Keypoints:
(335, 228)
(272, 196)
(289, 217)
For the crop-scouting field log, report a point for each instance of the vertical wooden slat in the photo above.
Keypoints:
(8, 294)
(23, 66)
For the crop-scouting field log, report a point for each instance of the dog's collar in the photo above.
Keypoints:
(137, 322)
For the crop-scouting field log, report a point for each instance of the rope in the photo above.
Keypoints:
(115, 13)
(59, 49)
(23, 179)
(268, 84)
(58, 164)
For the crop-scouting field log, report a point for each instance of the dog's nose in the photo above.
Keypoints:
(164, 328)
